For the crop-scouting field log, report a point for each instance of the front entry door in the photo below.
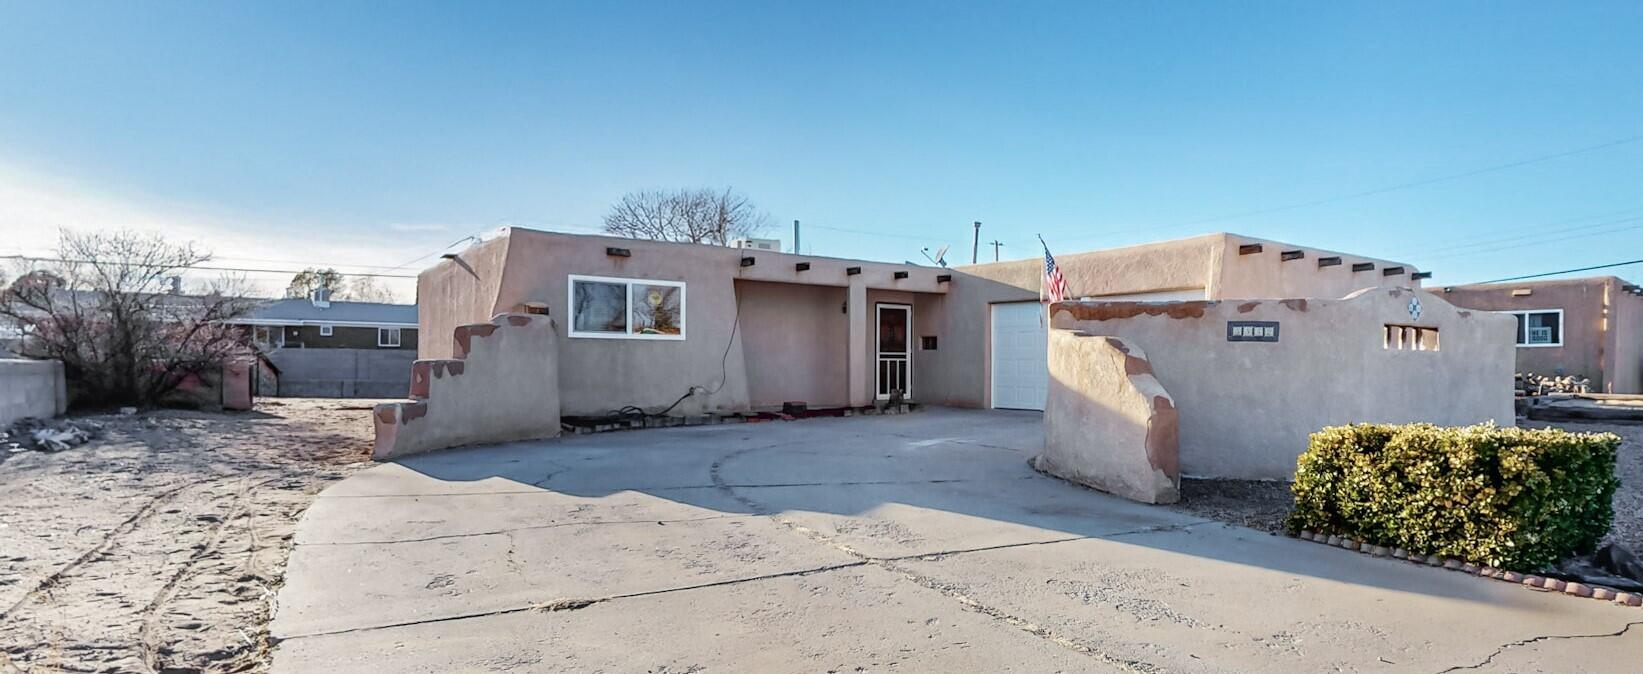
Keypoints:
(894, 346)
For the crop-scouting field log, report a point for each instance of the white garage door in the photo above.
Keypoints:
(1020, 357)
(1021, 372)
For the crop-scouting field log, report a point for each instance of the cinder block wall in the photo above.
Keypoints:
(344, 373)
(31, 388)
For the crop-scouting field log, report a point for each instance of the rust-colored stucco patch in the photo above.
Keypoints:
(1133, 365)
(1247, 307)
(1164, 437)
(385, 412)
(1296, 304)
(464, 335)
(1102, 311)
(413, 410)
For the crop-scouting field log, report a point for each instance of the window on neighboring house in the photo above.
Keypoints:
(325, 331)
(268, 336)
(617, 308)
(1539, 328)
(388, 337)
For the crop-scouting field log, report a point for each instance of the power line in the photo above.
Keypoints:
(1540, 230)
(869, 233)
(1556, 239)
(1385, 189)
(1566, 271)
(194, 268)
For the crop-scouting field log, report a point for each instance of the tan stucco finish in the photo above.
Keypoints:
(1602, 327)
(502, 386)
(1108, 423)
(768, 333)
(1247, 408)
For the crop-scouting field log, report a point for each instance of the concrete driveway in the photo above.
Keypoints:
(918, 542)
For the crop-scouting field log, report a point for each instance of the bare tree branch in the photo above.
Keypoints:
(687, 215)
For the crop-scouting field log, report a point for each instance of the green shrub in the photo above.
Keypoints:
(1509, 497)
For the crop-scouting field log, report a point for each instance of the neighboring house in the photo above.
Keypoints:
(336, 349)
(642, 323)
(1583, 327)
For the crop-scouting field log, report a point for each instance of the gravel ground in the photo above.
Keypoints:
(158, 547)
(1263, 505)
(1256, 504)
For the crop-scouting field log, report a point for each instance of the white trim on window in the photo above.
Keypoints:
(627, 310)
(388, 337)
(1525, 342)
(325, 331)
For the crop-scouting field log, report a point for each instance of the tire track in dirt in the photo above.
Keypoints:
(55, 578)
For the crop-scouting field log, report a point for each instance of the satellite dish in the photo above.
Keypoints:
(940, 258)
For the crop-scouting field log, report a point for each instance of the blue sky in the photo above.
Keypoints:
(371, 133)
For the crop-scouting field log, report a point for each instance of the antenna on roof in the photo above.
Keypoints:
(940, 258)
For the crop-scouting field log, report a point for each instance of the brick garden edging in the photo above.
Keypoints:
(1483, 571)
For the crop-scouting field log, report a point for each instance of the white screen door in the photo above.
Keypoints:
(894, 346)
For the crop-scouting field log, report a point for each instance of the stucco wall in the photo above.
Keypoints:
(1266, 274)
(600, 375)
(1627, 322)
(1211, 262)
(457, 292)
(1584, 350)
(1108, 423)
(957, 372)
(794, 343)
(501, 386)
(31, 388)
(1166, 265)
(1246, 408)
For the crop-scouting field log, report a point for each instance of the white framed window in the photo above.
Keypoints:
(388, 337)
(325, 331)
(1539, 327)
(623, 308)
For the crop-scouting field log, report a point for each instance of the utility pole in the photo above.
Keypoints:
(996, 244)
(975, 242)
(796, 249)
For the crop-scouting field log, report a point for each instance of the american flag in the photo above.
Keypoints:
(1054, 284)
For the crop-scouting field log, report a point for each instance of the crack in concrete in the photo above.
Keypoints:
(572, 604)
(1548, 637)
(496, 532)
(939, 555)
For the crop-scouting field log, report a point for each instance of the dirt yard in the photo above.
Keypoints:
(158, 547)
(1263, 505)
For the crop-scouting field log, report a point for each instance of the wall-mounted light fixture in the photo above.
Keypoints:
(1362, 266)
(1391, 271)
(802, 266)
(900, 275)
(852, 271)
(944, 278)
(1329, 261)
(1291, 255)
(1420, 275)
(1249, 249)
(618, 252)
(748, 261)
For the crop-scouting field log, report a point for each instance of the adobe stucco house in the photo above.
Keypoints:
(577, 325)
(1583, 327)
(826, 331)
